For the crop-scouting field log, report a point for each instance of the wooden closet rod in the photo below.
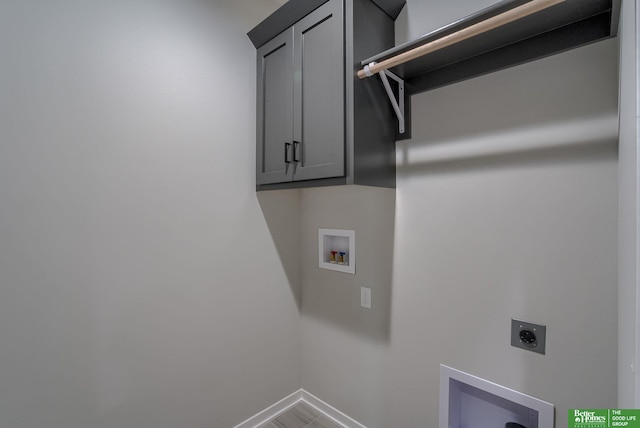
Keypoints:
(466, 33)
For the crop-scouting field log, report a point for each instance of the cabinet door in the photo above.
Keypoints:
(319, 148)
(274, 154)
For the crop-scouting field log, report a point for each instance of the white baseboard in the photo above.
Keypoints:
(333, 413)
(300, 395)
(272, 411)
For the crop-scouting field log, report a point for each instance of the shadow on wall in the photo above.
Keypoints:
(294, 217)
(461, 156)
(281, 209)
(334, 297)
(565, 106)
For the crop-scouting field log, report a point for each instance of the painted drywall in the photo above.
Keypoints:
(505, 207)
(140, 285)
(343, 344)
(628, 385)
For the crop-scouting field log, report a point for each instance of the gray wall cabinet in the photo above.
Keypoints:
(317, 123)
(275, 110)
(300, 100)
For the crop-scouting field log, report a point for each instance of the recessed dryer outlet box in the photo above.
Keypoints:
(529, 336)
(469, 401)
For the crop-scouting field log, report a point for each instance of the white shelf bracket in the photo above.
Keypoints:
(397, 104)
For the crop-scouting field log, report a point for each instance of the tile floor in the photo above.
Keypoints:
(301, 416)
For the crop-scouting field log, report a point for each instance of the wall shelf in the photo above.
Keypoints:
(560, 27)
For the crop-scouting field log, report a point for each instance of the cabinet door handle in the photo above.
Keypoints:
(286, 152)
(296, 144)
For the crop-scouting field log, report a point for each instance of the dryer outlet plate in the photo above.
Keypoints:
(529, 336)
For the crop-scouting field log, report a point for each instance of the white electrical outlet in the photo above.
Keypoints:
(365, 297)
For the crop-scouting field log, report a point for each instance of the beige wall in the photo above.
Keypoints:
(506, 206)
(629, 386)
(143, 282)
(343, 345)
(509, 201)
(139, 282)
